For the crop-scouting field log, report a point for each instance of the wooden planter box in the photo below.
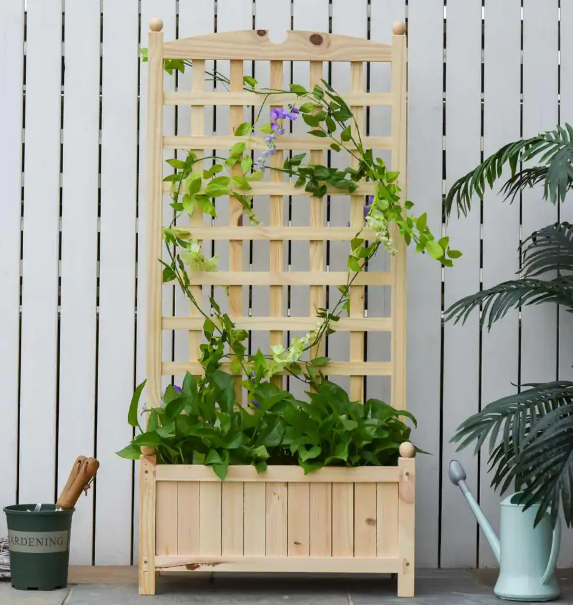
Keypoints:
(333, 520)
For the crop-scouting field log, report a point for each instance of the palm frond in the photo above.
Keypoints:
(552, 149)
(495, 302)
(530, 443)
(549, 249)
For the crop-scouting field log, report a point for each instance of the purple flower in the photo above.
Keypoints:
(272, 151)
(270, 138)
(293, 113)
(177, 388)
(278, 114)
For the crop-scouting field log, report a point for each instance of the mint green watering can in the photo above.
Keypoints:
(527, 555)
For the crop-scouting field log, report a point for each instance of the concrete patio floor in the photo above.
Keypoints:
(117, 586)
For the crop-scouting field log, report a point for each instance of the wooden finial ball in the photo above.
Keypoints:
(407, 450)
(156, 24)
(399, 28)
(147, 450)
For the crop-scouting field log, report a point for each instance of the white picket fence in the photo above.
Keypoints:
(72, 222)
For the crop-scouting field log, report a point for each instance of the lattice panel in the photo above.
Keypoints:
(235, 274)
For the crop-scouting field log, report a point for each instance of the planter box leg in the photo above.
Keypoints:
(406, 526)
(147, 528)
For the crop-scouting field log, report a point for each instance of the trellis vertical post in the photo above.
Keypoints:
(154, 242)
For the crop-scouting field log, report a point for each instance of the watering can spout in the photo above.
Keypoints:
(457, 476)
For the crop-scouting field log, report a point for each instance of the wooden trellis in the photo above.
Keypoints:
(374, 506)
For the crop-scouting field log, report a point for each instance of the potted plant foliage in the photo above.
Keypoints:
(529, 432)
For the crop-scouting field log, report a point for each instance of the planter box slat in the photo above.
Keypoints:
(290, 474)
(365, 520)
(298, 519)
(320, 519)
(254, 498)
(188, 518)
(280, 564)
(386, 511)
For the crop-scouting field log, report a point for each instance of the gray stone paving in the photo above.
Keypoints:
(433, 587)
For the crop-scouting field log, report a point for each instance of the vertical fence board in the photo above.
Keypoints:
(40, 252)
(11, 79)
(425, 76)
(461, 343)
(538, 324)
(566, 214)
(500, 353)
(116, 363)
(80, 183)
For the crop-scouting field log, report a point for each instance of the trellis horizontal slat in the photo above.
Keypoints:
(294, 324)
(280, 564)
(334, 368)
(283, 474)
(254, 45)
(301, 234)
(268, 188)
(372, 99)
(287, 278)
(259, 144)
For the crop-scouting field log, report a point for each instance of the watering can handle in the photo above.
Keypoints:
(552, 563)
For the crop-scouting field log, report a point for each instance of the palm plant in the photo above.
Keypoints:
(530, 433)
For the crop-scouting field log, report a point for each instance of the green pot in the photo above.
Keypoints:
(39, 545)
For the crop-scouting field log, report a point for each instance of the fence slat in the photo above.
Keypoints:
(80, 183)
(425, 75)
(11, 78)
(500, 223)
(461, 343)
(40, 252)
(116, 367)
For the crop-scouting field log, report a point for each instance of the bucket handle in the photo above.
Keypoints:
(555, 544)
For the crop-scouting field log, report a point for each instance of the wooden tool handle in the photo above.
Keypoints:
(73, 474)
(69, 497)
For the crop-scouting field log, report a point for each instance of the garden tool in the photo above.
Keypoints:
(526, 553)
(81, 476)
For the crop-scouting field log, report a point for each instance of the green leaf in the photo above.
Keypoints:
(188, 203)
(133, 414)
(318, 92)
(168, 275)
(310, 119)
(206, 205)
(335, 147)
(422, 222)
(249, 80)
(213, 457)
(261, 453)
(149, 439)
(307, 107)
(240, 182)
(193, 183)
(257, 175)
(298, 89)
(346, 134)
(176, 163)
(237, 148)
(454, 253)
(434, 249)
(242, 129)
(246, 164)
(319, 361)
(318, 133)
(221, 470)
(313, 452)
(131, 452)
(266, 128)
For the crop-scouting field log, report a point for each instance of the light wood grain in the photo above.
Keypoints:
(286, 474)
(155, 215)
(197, 129)
(398, 395)
(314, 235)
(188, 515)
(268, 188)
(277, 519)
(254, 519)
(288, 278)
(356, 294)
(298, 519)
(367, 99)
(299, 46)
(365, 520)
(232, 518)
(320, 519)
(343, 519)
(276, 297)
(210, 515)
(166, 518)
(279, 564)
(298, 324)
(146, 527)
(259, 144)
(387, 518)
(334, 368)
(406, 525)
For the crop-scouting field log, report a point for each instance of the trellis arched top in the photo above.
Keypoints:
(298, 46)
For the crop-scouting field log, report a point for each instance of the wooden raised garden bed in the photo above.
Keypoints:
(357, 520)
